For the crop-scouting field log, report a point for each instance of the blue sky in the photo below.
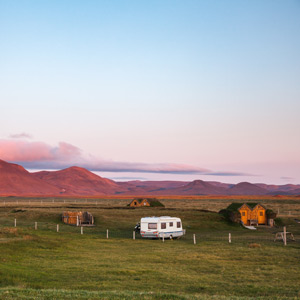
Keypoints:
(149, 85)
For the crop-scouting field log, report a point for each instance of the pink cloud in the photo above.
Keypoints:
(25, 151)
(39, 155)
(65, 151)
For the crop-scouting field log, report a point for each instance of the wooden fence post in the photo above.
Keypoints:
(194, 238)
(229, 238)
(77, 221)
(35, 225)
(15, 222)
(57, 228)
(133, 235)
(107, 233)
(163, 237)
(81, 230)
(284, 235)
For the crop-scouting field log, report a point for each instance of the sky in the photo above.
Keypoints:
(153, 90)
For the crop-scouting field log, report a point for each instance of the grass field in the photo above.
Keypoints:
(45, 264)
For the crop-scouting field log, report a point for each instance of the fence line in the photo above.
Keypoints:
(205, 236)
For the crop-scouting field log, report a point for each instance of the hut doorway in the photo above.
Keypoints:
(244, 216)
(261, 217)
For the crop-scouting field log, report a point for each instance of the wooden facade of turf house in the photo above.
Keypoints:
(78, 218)
(145, 202)
(249, 214)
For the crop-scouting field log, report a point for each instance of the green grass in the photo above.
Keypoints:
(12, 293)
(44, 264)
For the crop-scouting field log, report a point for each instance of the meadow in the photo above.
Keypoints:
(46, 264)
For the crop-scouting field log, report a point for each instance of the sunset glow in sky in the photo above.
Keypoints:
(160, 90)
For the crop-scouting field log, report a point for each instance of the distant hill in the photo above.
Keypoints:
(286, 189)
(198, 187)
(76, 181)
(149, 187)
(16, 181)
(246, 188)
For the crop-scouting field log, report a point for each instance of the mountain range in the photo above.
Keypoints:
(76, 181)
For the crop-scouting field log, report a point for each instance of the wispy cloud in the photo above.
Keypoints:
(229, 174)
(21, 136)
(129, 178)
(286, 178)
(39, 155)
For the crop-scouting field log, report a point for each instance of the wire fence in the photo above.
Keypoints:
(274, 235)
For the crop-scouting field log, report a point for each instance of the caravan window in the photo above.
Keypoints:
(152, 225)
(171, 224)
(178, 224)
(163, 225)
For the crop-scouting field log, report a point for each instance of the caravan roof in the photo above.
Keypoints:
(157, 219)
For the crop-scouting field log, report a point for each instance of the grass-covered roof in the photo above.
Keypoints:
(236, 206)
(152, 201)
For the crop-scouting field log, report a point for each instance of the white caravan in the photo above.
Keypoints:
(161, 227)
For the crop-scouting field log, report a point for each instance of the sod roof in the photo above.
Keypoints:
(152, 201)
(236, 206)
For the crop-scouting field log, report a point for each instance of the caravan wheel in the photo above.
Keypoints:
(171, 237)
